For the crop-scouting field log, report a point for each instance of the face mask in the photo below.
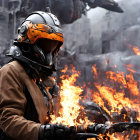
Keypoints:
(47, 59)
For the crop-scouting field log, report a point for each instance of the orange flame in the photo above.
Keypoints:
(135, 49)
(69, 99)
(113, 90)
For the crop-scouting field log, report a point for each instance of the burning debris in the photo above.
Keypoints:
(105, 100)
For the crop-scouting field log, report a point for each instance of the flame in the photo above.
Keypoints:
(116, 137)
(70, 95)
(114, 91)
(135, 49)
(94, 70)
(65, 69)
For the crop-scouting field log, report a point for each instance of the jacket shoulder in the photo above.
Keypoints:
(11, 71)
(13, 66)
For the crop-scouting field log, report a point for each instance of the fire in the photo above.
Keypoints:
(114, 91)
(70, 95)
(117, 137)
(94, 70)
(135, 49)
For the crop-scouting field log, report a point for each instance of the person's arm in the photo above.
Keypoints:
(12, 107)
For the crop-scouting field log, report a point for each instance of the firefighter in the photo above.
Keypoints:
(26, 86)
(25, 103)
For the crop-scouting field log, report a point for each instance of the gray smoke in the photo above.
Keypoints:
(104, 36)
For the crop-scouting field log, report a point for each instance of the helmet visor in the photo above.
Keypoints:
(47, 45)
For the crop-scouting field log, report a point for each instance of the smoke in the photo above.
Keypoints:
(116, 32)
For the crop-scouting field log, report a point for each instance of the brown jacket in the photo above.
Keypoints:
(13, 78)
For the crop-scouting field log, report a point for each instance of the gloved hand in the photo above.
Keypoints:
(55, 131)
